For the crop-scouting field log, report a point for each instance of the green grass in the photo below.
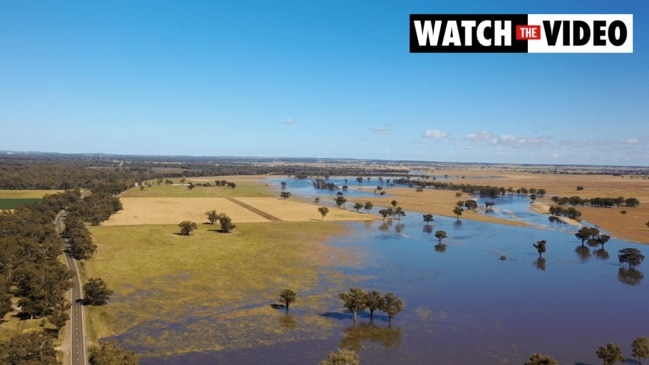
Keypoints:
(244, 188)
(15, 203)
(26, 194)
(211, 291)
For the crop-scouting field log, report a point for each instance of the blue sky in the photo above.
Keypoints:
(311, 79)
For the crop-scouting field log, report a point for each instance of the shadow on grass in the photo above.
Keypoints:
(360, 315)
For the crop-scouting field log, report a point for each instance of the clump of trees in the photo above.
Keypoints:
(356, 300)
(96, 292)
(596, 202)
(539, 359)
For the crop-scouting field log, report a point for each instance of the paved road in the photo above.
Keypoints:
(76, 333)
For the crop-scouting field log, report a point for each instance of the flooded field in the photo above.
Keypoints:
(465, 304)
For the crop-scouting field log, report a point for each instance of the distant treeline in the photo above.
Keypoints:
(483, 190)
(104, 175)
(596, 202)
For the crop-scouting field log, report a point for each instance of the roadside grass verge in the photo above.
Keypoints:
(212, 291)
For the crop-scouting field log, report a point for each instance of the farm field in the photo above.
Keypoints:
(11, 199)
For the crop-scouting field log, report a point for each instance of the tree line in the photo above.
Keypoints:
(483, 190)
(596, 202)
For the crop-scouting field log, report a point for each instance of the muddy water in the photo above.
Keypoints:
(464, 305)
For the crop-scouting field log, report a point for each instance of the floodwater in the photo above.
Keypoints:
(464, 304)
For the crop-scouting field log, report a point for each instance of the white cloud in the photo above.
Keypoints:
(289, 121)
(380, 132)
(435, 134)
(480, 136)
(633, 141)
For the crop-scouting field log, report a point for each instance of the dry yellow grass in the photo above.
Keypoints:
(160, 210)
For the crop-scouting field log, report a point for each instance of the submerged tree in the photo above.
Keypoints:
(585, 233)
(286, 297)
(355, 300)
(440, 235)
(392, 305)
(342, 357)
(374, 302)
(540, 247)
(631, 256)
(640, 348)
(340, 201)
(538, 359)
(358, 206)
(428, 218)
(610, 354)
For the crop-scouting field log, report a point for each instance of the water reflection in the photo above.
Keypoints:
(540, 264)
(440, 247)
(630, 276)
(428, 229)
(399, 227)
(583, 252)
(354, 336)
(601, 254)
(287, 321)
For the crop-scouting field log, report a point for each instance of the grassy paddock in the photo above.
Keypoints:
(245, 187)
(211, 291)
(26, 194)
(15, 203)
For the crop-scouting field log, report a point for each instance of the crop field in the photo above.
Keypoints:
(11, 199)
(245, 186)
(160, 210)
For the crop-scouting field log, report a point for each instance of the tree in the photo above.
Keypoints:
(598, 239)
(386, 213)
(340, 201)
(316, 200)
(358, 206)
(458, 212)
(538, 359)
(394, 204)
(323, 212)
(186, 227)
(97, 292)
(640, 348)
(285, 195)
(226, 223)
(212, 216)
(374, 301)
(631, 256)
(440, 235)
(368, 206)
(355, 300)
(392, 305)
(342, 357)
(428, 218)
(631, 202)
(110, 353)
(286, 297)
(399, 213)
(28, 349)
(471, 204)
(540, 247)
(283, 183)
(610, 354)
(360, 180)
(586, 233)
